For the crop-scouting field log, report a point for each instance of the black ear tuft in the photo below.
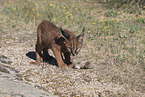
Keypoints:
(66, 35)
(81, 36)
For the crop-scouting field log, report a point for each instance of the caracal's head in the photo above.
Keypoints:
(73, 43)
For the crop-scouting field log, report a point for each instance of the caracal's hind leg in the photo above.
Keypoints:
(46, 54)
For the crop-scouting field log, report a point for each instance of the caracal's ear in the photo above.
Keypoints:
(81, 36)
(65, 35)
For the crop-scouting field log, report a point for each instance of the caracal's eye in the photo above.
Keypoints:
(69, 48)
(77, 49)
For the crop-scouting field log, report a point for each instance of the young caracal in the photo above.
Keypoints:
(62, 42)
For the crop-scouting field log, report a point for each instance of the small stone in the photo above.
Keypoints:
(87, 65)
(77, 67)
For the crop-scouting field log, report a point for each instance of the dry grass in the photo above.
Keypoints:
(114, 46)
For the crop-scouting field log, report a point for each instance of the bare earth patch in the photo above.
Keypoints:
(100, 80)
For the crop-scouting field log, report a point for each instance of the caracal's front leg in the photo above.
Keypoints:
(38, 49)
(58, 57)
(68, 60)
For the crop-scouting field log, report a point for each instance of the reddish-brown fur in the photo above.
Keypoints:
(60, 41)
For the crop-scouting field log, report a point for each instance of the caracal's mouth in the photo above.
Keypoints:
(72, 57)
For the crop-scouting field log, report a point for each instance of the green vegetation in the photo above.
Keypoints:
(114, 44)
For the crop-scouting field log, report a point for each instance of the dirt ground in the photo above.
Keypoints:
(72, 82)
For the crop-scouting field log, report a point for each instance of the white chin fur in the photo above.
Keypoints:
(71, 58)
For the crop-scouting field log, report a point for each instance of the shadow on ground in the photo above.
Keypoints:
(50, 60)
